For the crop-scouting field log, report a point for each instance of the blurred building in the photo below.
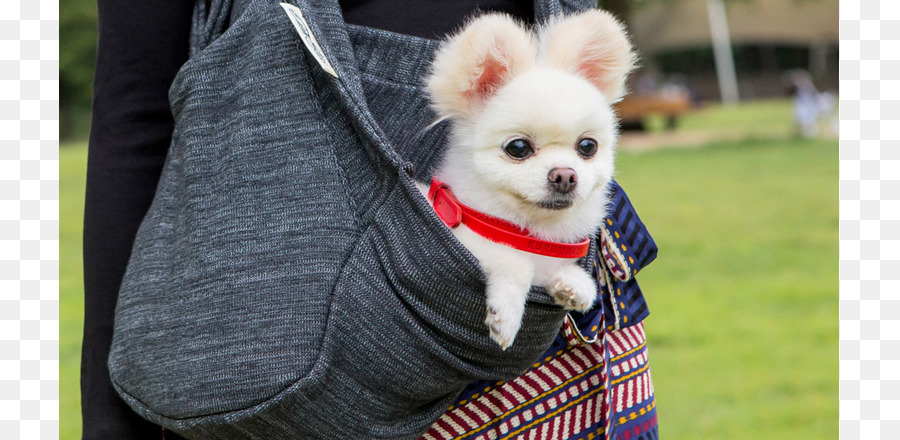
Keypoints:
(768, 38)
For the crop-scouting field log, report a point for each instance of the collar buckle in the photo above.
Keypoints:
(445, 204)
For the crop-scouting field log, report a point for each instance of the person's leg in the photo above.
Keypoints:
(141, 46)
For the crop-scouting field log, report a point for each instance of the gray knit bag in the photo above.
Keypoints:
(289, 281)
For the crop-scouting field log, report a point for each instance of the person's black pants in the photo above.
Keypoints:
(141, 46)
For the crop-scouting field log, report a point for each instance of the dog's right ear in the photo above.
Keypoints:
(594, 45)
(476, 62)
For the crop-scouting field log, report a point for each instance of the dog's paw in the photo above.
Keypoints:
(573, 291)
(503, 325)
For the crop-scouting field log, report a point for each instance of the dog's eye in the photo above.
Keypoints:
(518, 148)
(587, 147)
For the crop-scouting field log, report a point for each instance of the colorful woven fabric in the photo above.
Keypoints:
(594, 381)
(564, 397)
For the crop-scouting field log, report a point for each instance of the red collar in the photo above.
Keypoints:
(453, 213)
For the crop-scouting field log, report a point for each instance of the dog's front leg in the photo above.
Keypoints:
(508, 281)
(572, 288)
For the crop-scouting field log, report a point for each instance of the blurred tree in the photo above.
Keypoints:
(78, 51)
(619, 8)
(77, 54)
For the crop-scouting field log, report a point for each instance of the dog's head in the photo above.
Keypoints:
(533, 128)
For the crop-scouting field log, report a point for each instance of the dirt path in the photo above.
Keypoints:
(638, 141)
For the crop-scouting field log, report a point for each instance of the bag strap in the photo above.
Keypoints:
(328, 29)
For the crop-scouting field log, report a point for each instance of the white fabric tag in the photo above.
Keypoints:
(296, 16)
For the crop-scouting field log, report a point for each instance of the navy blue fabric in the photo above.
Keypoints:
(633, 240)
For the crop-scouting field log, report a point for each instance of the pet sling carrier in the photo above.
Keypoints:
(289, 280)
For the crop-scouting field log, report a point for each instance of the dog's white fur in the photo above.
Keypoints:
(496, 81)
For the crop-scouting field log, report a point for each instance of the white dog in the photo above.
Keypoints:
(532, 140)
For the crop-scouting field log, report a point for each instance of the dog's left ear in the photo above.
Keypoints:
(593, 45)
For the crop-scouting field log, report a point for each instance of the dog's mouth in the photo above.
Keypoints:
(556, 204)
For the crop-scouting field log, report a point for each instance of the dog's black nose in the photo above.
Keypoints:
(562, 180)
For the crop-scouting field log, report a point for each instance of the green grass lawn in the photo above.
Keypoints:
(72, 163)
(743, 329)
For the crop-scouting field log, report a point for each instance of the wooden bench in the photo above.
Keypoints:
(635, 108)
